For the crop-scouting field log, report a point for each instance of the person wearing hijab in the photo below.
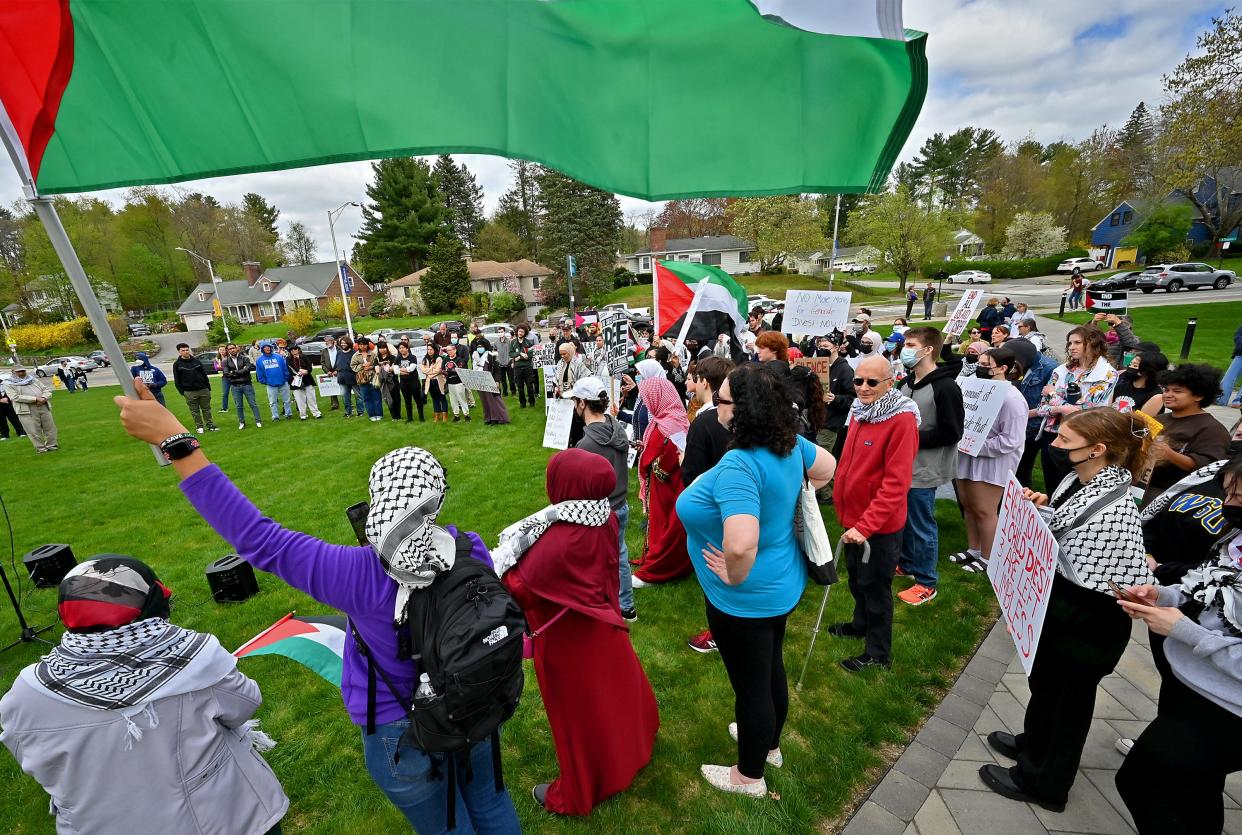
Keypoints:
(659, 473)
(371, 584)
(152, 377)
(494, 411)
(561, 566)
(31, 399)
(123, 718)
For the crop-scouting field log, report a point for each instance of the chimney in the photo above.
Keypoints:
(253, 271)
(659, 239)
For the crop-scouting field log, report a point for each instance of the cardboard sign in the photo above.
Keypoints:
(819, 366)
(560, 419)
(964, 312)
(615, 328)
(983, 400)
(815, 311)
(1021, 568)
(478, 380)
(328, 386)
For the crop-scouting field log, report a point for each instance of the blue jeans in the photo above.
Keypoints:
(920, 543)
(408, 784)
(374, 403)
(279, 393)
(351, 393)
(224, 406)
(626, 598)
(1228, 384)
(243, 393)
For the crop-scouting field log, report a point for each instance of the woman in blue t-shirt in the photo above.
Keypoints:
(739, 519)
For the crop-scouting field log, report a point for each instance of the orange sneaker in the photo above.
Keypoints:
(917, 595)
(900, 572)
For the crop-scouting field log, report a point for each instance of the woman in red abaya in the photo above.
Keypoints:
(659, 474)
(600, 706)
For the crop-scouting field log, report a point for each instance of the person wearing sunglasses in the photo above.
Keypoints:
(873, 483)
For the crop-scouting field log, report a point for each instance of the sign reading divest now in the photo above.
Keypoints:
(963, 312)
(560, 420)
(983, 400)
(815, 312)
(1021, 568)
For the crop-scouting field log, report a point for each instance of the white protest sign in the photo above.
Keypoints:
(983, 400)
(615, 328)
(815, 311)
(543, 354)
(1021, 568)
(478, 380)
(328, 386)
(964, 311)
(633, 454)
(560, 419)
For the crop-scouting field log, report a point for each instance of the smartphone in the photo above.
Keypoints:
(357, 515)
(1122, 594)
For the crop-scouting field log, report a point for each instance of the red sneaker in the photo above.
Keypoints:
(917, 595)
(899, 572)
(703, 642)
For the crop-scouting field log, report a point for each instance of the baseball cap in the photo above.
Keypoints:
(862, 317)
(588, 388)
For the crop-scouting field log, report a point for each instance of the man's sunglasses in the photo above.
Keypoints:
(870, 382)
(717, 400)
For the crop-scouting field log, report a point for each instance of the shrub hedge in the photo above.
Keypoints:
(1003, 267)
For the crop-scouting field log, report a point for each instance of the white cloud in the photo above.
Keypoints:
(1055, 69)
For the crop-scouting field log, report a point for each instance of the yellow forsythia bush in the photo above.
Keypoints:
(299, 320)
(53, 335)
(334, 310)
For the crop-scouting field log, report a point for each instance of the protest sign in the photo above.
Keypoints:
(964, 311)
(478, 380)
(1021, 568)
(815, 311)
(819, 366)
(560, 419)
(328, 386)
(615, 328)
(543, 354)
(983, 400)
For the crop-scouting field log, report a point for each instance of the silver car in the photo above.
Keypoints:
(1193, 275)
(50, 368)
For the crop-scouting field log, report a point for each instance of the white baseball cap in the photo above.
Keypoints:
(588, 388)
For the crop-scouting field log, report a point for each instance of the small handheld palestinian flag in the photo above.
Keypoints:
(314, 642)
(1099, 301)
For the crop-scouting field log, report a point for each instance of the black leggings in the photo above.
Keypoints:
(1173, 777)
(751, 649)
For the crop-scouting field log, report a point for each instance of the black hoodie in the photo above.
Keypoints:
(608, 438)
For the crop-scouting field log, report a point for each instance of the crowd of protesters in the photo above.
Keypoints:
(1136, 483)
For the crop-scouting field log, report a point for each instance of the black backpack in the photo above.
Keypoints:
(465, 631)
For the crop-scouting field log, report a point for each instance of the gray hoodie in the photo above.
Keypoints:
(608, 439)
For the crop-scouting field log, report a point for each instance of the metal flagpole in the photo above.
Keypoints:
(832, 262)
(340, 273)
(46, 211)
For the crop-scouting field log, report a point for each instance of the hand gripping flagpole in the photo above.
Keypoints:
(46, 211)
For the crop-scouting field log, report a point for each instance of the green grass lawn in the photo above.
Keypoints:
(1166, 326)
(103, 493)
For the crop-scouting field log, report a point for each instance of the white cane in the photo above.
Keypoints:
(823, 604)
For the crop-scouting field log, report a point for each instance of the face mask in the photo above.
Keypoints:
(909, 357)
(1061, 457)
(1233, 515)
(865, 347)
(983, 373)
(1129, 374)
(481, 351)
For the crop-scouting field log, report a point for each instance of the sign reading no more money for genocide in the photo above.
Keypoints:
(815, 312)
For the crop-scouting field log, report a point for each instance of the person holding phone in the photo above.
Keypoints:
(1096, 525)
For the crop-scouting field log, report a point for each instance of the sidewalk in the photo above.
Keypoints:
(934, 787)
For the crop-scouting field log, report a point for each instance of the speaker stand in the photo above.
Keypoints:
(29, 634)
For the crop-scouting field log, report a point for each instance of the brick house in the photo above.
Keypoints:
(265, 296)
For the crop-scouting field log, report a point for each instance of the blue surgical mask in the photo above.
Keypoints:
(909, 357)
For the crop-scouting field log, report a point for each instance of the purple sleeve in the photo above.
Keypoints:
(348, 578)
(479, 551)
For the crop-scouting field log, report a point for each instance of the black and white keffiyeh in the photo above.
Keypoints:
(518, 538)
(407, 491)
(887, 405)
(1217, 584)
(1109, 544)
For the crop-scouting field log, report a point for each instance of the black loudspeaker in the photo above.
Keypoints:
(47, 565)
(231, 580)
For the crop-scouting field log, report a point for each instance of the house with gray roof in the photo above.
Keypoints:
(266, 295)
(733, 255)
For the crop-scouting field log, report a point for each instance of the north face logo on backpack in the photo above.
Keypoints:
(496, 635)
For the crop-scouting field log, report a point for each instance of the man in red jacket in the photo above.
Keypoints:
(873, 478)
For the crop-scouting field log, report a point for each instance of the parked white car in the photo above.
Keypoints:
(761, 301)
(970, 277)
(857, 268)
(1084, 265)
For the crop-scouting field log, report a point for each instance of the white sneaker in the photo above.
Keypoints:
(303, 417)
(241, 426)
(636, 583)
(201, 430)
(718, 776)
(775, 758)
(258, 425)
(1123, 745)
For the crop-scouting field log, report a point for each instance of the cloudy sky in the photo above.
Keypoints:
(1055, 69)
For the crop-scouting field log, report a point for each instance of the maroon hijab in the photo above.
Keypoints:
(577, 565)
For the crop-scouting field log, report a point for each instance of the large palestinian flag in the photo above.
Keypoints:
(650, 98)
(314, 642)
(721, 307)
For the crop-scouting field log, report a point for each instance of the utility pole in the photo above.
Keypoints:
(215, 286)
(832, 262)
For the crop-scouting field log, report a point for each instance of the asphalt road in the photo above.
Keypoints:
(168, 353)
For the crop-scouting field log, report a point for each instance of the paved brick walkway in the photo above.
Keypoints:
(934, 788)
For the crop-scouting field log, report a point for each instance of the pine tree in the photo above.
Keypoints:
(582, 221)
(402, 220)
(1135, 141)
(263, 212)
(518, 207)
(462, 197)
(447, 278)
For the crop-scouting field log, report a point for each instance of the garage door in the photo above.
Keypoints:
(197, 321)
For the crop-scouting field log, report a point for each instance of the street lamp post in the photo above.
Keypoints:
(215, 286)
(7, 338)
(336, 256)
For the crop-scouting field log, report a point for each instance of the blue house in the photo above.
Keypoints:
(1107, 235)
(1231, 179)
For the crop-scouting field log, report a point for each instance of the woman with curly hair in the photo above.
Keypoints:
(1083, 381)
(738, 517)
(659, 474)
(1192, 438)
(772, 346)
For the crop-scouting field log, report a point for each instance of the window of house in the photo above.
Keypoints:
(267, 287)
(535, 282)
(1126, 217)
(712, 258)
(644, 263)
(202, 297)
(683, 257)
(362, 302)
(746, 257)
(1115, 220)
